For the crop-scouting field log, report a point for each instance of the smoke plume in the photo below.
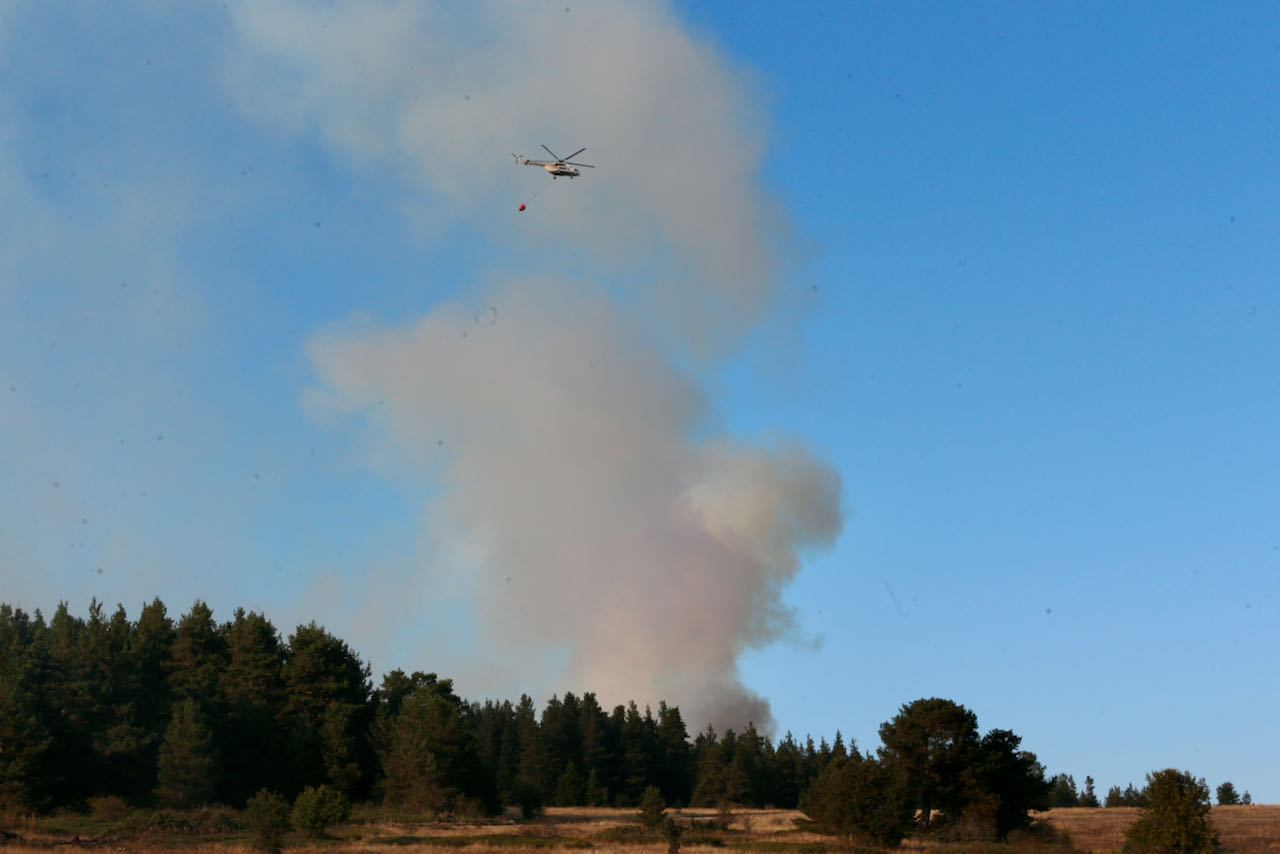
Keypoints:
(586, 499)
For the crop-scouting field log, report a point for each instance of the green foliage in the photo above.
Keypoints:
(267, 815)
(570, 789)
(319, 807)
(110, 808)
(864, 799)
(1227, 795)
(429, 755)
(200, 712)
(595, 795)
(983, 786)
(1007, 782)
(1127, 797)
(1062, 791)
(186, 760)
(652, 807)
(1176, 818)
(932, 741)
(531, 802)
(671, 832)
(1089, 798)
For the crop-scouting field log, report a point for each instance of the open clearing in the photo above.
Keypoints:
(1243, 830)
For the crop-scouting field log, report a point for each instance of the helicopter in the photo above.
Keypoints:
(561, 167)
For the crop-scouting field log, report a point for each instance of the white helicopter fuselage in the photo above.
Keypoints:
(557, 168)
(561, 170)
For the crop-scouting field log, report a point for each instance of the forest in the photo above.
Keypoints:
(180, 713)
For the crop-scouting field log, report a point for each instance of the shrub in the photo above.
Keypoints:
(1176, 818)
(862, 799)
(267, 815)
(530, 798)
(652, 807)
(319, 807)
(108, 808)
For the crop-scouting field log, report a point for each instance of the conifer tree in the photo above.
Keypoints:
(1089, 798)
(324, 680)
(675, 758)
(186, 764)
(24, 732)
(254, 690)
(570, 789)
(932, 741)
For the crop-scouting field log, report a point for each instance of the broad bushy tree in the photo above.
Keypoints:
(1176, 818)
(932, 742)
(861, 798)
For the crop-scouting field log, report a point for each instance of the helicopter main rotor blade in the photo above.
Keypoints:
(571, 163)
(552, 153)
(575, 154)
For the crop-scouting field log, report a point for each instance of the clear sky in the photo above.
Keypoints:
(889, 350)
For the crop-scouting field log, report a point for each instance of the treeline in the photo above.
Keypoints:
(192, 711)
(178, 713)
(1063, 793)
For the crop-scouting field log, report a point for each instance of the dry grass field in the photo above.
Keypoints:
(1243, 830)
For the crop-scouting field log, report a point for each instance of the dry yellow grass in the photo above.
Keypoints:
(1241, 830)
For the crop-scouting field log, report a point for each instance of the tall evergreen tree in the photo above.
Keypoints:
(198, 660)
(1062, 791)
(24, 731)
(600, 743)
(675, 769)
(1089, 798)
(187, 765)
(253, 687)
(327, 708)
(639, 736)
(431, 761)
(535, 775)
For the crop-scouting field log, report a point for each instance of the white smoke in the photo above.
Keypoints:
(585, 500)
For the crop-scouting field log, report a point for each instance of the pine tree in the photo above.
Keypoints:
(186, 764)
(430, 760)
(1089, 798)
(254, 690)
(652, 807)
(596, 795)
(1062, 791)
(321, 673)
(675, 774)
(24, 731)
(932, 741)
(199, 659)
(570, 790)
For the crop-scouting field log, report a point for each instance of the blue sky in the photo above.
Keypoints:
(889, 351)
